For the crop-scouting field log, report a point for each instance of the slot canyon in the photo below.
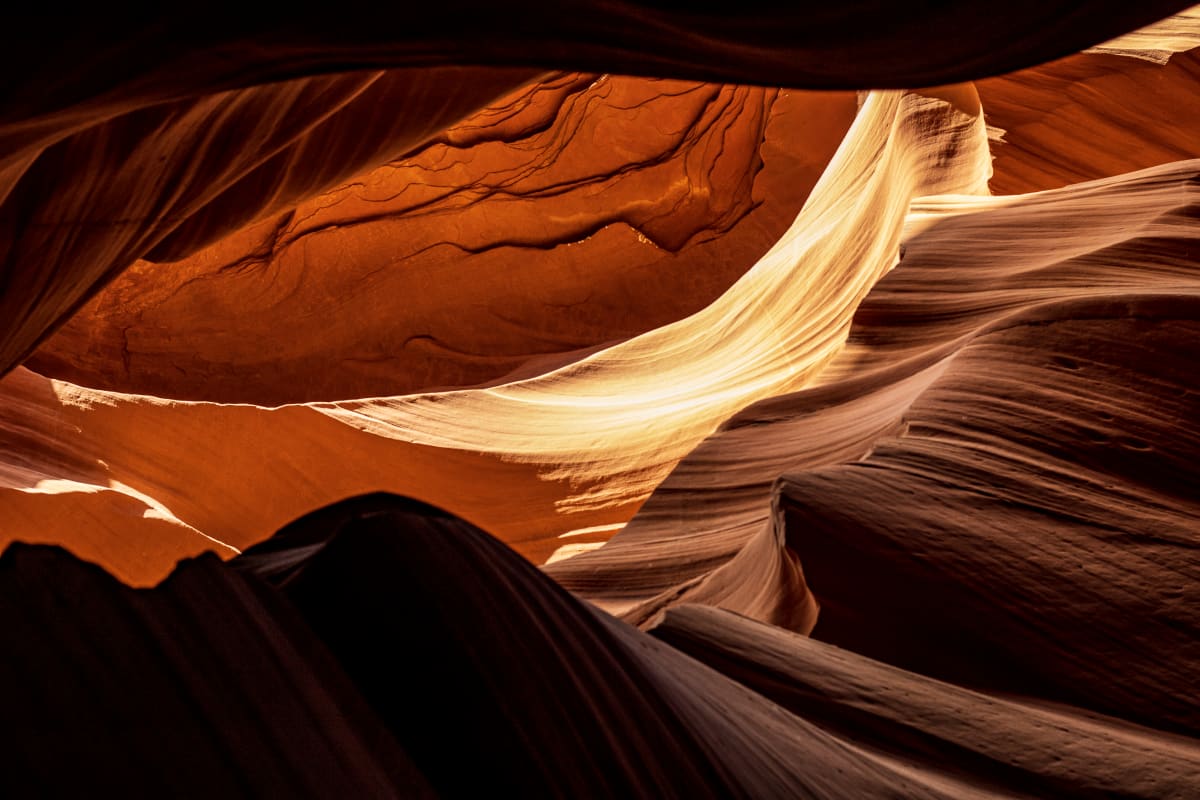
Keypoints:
(609, 399)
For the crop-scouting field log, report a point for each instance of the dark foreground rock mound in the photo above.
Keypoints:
(381, 647)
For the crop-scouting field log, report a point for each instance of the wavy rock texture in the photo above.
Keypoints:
(597, 434)
(514, 660)
(1013, 748)
(715, 528)
(1064, 571)
(83, 457)
(161, 180)
(1083, 117)
(499, 172)
(625, 415)
(489, 247)
(114, 477)
(904, 379)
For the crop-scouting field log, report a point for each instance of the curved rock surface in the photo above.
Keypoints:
(882, 405)
(488, 248)
(161, 180)
(143, 128)
(1066, 575)
(1084, 117)
(114, 477)
(576, 448)
(469, 210)
(1015, 748)
(166, 54)
(1014, 474)
(208, 685)
(969, 264)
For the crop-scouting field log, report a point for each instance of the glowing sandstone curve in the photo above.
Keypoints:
(628, 413)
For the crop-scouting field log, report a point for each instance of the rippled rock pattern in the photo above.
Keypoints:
(497, 241)
(682, 435)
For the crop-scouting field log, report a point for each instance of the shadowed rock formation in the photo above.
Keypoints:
(900, 473)
(1051, 534)
(1014, 748)
(208, 685)
(451, 649)
(462, 649)
(169, 53)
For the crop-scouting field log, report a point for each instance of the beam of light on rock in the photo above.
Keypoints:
(627, 414)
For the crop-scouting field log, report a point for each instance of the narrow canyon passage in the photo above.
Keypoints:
(643, 402)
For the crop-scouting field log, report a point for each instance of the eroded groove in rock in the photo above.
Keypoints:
(625, 415)
(1039, 512)
(576, 211)
(165, 179)
(1014, 748)
(710, 532)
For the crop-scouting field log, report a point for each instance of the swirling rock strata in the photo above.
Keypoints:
(969, 459)
(576, 448)
(619, 419)
(161, 180)
(533, 294)
(1051, 535)
(1013, 748)
(1011, 477)
(714, 530)
(1084, 117)
(150, 108)
(490, 247)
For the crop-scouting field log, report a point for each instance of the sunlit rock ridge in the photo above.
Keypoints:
(638, 402)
